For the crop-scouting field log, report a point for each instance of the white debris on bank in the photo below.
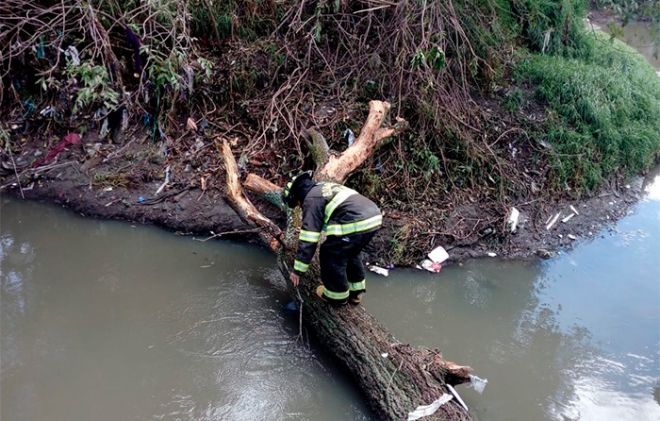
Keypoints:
(438, 255)
(568, 218)
(512, 222)
(166, 182)
(435, 259)
(379, 270)
(423, 411)
(552, 222)
(430, 265)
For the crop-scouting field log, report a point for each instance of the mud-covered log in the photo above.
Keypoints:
(395, 378)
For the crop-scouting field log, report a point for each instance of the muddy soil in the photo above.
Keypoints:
(128, 182)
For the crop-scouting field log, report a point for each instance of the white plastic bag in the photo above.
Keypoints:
(425, 410)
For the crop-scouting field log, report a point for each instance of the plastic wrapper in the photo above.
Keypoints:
(425, 410)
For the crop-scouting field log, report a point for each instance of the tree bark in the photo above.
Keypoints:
(396, 378)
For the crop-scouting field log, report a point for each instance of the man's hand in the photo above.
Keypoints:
(295, 279)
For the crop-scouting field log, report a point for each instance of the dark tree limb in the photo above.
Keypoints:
(396, 378)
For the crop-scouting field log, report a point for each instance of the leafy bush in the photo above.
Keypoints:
(96, 87)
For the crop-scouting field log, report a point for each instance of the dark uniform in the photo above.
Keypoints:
(349, 220)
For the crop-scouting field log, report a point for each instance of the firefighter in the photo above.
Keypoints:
(349, 220)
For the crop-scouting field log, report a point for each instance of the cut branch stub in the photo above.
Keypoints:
(337, 168)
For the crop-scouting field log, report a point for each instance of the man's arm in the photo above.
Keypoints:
(310, 233)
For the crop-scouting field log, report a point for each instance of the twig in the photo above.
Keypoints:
(228, 233)
(18, 180)
(301, 336)
(113, 154)
(389, 383)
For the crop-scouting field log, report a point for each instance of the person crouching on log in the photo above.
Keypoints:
(349, 220)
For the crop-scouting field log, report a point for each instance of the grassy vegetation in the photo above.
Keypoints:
(606, 108)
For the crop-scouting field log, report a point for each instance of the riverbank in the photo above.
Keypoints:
(125, 183)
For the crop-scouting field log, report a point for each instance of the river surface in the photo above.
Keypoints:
(103, 320)
(638, 35)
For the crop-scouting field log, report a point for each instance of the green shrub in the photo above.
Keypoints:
(607, 105)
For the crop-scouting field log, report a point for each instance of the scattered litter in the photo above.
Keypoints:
(572, 237)
(107, 189)
(191, 125)
(166, 182)
(568, 218)
(574, 210)
(133, 42)
(430, 265)
(349, 136)
(379, 270)
(477, 384)
(438, 255)
(423, 411)
(203, 125)
(512, 222)
(384, 355)
(146, 119)
(491, 254)
(290, 306)
(199, 144)
(49, 111)
(140, 199)
(104, 128)
(544, 254)
(552, 222)
(69, 139)
(72, 53)
(458, 398)
(487, 231)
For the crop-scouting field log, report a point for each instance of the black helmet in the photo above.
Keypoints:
(291, 192)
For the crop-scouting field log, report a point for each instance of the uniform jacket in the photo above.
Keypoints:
(337, 210)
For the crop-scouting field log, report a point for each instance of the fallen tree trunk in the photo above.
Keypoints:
(396, 378)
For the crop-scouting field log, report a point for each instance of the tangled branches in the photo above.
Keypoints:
(93, 50)
(423, 57)
(419, 53)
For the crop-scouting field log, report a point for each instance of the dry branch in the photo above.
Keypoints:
(270, 232)
(338, 168)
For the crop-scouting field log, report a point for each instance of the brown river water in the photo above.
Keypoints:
(102, 320)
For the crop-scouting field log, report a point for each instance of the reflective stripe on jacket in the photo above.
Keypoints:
(339, 211)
